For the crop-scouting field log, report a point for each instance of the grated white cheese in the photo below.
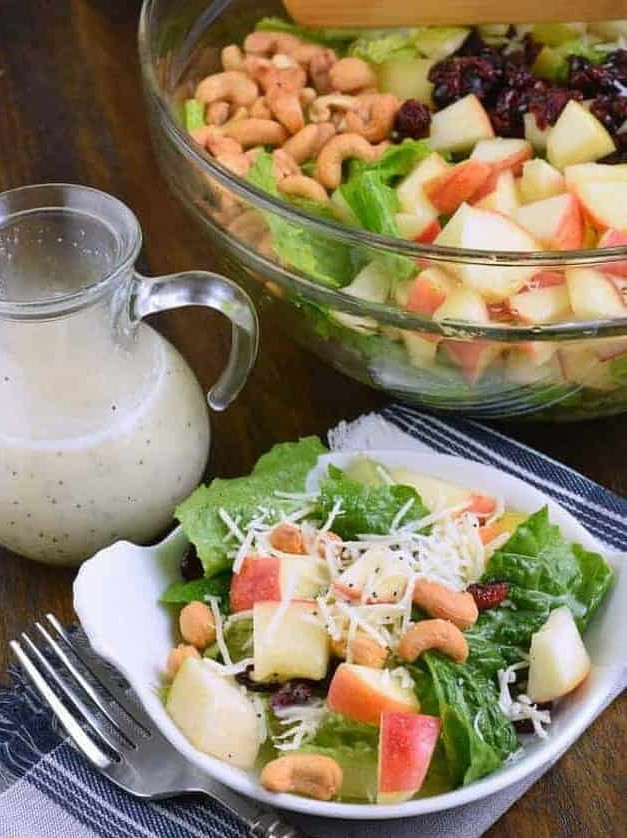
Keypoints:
(231, 525)
(302, 723)
(333, 514)
(403, 677)
(229, 669)
(522, 708)
(217, 617)
(401, 514)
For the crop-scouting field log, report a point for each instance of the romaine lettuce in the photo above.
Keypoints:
(219, 586)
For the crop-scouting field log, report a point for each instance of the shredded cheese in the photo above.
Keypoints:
(217, 617)
(230, 669)
(302, 723)
(230, 524)
(522, 708)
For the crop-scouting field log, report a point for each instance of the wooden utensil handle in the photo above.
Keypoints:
(379, 13)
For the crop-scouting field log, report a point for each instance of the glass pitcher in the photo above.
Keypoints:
(103, 426)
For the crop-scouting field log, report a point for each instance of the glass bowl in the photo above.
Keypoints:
(560, 371)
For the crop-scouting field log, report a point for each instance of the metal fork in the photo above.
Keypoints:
(127, 748)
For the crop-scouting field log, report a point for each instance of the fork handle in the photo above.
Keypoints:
(270, 825)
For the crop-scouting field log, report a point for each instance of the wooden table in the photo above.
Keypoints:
(72, 111)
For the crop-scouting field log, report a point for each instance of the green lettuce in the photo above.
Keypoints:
(284, 468)
(365, 509)
(218, 586)
(390, 45)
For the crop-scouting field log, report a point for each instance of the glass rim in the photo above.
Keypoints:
(127, 231)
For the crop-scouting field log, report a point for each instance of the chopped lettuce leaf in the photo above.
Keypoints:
(219, 586)
(284, 468)
(238, 637)
(365, 509)
(335, 38)
(194, 114)
(392, 45)
(618, 369)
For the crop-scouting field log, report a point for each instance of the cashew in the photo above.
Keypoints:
(440, 601)
(301, 186)
(240, 113)
(336, 151)
(313, 775)
(235, 162)
(251, 132)
(177, 656)
(321, 109)
(351, 74)
(233, 86)
(283, 164)
(440, 635)
(374, 116)
(282, 61)
(261, 109)
(217, 113)
(365, 651)
(319, 68)
(219, 145)
(197, 625)
(287, 109)
(288, 79)
(249, 226)
(264, 246)
(307, 96)
(287, 538)
(268, 43)
(233, 58)
(201, 135)
(307, 143)
(325, 540)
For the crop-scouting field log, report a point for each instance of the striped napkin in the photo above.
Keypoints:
(48, 791)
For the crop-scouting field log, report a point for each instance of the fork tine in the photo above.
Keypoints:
(84, 683)
(139, 716)
(82, 741)
(93, 722)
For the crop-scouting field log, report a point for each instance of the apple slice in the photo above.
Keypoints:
(363, 694)
(375, 577)
(604, 203)
(459, 126)
(463, 304)
(608, 348)
(594, 171)
(268, 578)
(546, 305)
(538, 351)
(534, 134)
(556, 222)
(577, 137)
(473, 357)
(411, 190)
(372, 283)
(406, 78)
(429, 290)
(540, 180)
(545, 279)
(502, 196)
(438, 494)
(558, 660)
(213, 714)
(421, 348)
(580, 365)
(406, 745)
(614, 238)
(502, 153)
(416, 227)
(521, 368)
(593, 295)
(288, 642)
(450, 189)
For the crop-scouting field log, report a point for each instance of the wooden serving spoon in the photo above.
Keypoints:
(382, 13)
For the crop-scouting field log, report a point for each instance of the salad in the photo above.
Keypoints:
(387, 635)
(508, 137)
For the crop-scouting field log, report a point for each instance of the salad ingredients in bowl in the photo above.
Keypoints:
(374, 633)
(436, 210)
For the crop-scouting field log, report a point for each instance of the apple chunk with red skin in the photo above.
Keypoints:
(604, 203)
(429, 290)
(503, 153)
(363, 694)
(593, 295)
(267, 578)
(459, 126)
(614, 238)
(411, 190)
(406, 745)
(498, 194)
(458, 184)
(543, 305)
(556, 222)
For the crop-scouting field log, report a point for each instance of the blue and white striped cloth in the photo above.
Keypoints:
(48, 791)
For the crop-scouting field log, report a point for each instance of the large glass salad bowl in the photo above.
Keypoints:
(349, 293)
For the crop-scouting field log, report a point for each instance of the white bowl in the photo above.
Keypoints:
(116, 598)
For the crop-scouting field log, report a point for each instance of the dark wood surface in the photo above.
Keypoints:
(71, 110)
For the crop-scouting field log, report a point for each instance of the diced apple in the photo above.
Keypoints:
(268, 579)
(438, 494)
(558, 660)
(594, 171)
(288, 642)
(502, 197)
(411, 190)
(593, 295)
(424, 222)
(502, 153)
(363, 694)
(540, 180)
(521, 368)
(213, 714)
(377, 576)
(372, 284)
(604, 203)
(463, 304)
(406, 78)
(577, 137)
(545, 279)
(507, 523)
(421, 347)
(534, 134)
(545, 305)
(473, 357)
(479, 229)
(450, 189)
(459, 126)
(556, 222)
(406, 745)
(538, 351)
(429, 234)
(580, 365)
(615, 238)
(438, 42)
(429, 290)
(608, 348)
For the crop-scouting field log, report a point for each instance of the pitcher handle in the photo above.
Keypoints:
(202, 288)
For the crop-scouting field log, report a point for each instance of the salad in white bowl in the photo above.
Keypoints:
(358, 629)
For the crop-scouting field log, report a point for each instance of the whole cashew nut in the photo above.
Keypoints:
(365, 650)
(440, 601)
(177, 656)
(336, 151)
(232, 58)
(313, 775)
(261, 109)
(232, 86)
(287, 109)
(249, 226)
(287, 79)
(374, 116)
(283, 164)
(351, 74)
(321, 109)
(197, 625)
(251, 132)
(236, 162)
(440, 635)
(287, 538)
(217, 113)
(301, 186)
(307, 143)
(269, 43)
(319, 68)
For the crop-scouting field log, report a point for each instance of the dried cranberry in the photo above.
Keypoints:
(412, 120)
(526, 725)
(190, 565)
(620, 155)
(546, 103)
(291, 693)
(611, 111)
(245, 680)
(594, 79)
(488, 594)
(456, 77)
